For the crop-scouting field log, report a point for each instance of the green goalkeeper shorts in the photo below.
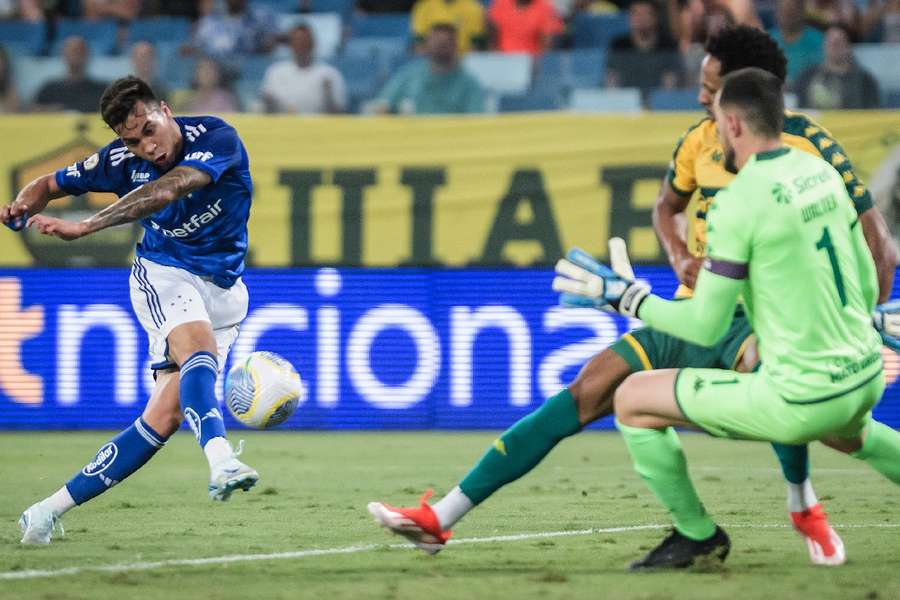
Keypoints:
(746, 406)
(645, 349)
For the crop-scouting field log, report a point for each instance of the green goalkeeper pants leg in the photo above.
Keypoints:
(659, 460)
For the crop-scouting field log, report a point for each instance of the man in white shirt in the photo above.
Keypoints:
(301, 85)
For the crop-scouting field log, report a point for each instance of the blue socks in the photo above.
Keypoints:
(794, 461)
(116, 460)
(198, 397)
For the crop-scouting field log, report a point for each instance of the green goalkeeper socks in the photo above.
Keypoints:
(881, 450)
(659, 460)
(522, 447)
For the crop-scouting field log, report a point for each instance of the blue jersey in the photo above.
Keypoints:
(206, 231)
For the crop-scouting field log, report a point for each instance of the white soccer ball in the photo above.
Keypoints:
(263, 390)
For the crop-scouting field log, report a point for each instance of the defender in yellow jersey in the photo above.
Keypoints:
(589, 397)
(785, 236)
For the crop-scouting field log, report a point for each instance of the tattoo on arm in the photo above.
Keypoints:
(149, 198)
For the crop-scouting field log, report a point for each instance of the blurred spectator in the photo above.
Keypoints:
(838, 82)
(241, 30)
(801, 43)
(695, 33)
(466, 15)
(120, 10)
(26, 10)
(646, 57)
(75, 91)
(567, 9)
(524, 25)
(823, 13)
(208, 95)
(144, 65)
(301, 85)
(436, 84)
(9, 99)
(385, 6)
(690, 22)
(882, 19)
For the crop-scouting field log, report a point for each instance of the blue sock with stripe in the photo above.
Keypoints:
(198, 397)
(116, 460)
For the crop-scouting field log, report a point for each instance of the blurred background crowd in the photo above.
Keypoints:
(431, 56)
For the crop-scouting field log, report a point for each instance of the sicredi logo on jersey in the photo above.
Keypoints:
(193, 224)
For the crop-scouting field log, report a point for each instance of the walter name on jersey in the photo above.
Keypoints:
(204, 232)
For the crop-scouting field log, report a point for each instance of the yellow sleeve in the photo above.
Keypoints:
(420, 20)
(475, 20)
(682, 175)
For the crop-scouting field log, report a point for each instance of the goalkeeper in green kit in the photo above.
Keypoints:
(784, 238)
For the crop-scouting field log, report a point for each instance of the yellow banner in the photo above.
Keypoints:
(386, 191)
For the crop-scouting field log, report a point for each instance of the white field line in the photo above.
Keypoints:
(358, 548)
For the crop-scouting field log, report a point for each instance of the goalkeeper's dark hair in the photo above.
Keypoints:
(756, 93)
(119, 98)
(742, 46)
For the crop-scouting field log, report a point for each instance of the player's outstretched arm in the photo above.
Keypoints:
(702, 319)
(878, 238)
(31, 200)
(669, 223)
(135, 205)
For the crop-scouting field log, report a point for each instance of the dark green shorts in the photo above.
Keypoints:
(644, 349)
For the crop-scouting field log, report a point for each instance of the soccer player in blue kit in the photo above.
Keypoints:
(187, 180)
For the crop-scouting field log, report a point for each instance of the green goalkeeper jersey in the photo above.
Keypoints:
(785, 237)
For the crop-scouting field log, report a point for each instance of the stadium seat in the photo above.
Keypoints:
(381, 26)
(341, 7)
(159, 29)
(500, 72)
(253, 68)
(531, 102)
(661, 99)
(326, 27)
(791, 101)
(597, 31)
(281, 6)
(19, 37)
(32, 73)
(588, 67)
(101, 36)
(108, 68)
(881, 60)
(627, 100)
(387, 53)
(361, 79)
(178, 70)
(892, 99)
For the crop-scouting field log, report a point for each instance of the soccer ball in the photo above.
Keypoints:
(263, 390)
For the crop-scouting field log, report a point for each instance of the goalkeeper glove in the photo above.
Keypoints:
(886, 318)
(584, 282)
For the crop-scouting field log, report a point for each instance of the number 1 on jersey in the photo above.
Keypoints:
(824, 243)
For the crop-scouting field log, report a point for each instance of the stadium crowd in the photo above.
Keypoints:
(431, 56)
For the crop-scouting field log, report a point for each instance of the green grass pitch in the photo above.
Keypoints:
(312, 496)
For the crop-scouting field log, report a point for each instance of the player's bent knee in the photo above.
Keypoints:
(595, 384)
(188, 338)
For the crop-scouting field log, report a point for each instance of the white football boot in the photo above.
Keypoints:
(37, 524)
(229, 475)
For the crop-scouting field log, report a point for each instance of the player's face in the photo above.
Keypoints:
(151, 133)
(710, 82)
(724, 131)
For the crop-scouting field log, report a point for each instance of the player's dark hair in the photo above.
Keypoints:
(743, 46)
(757, 94)
(119, 98)
(445, 27)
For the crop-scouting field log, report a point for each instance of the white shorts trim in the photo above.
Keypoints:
(165, 297)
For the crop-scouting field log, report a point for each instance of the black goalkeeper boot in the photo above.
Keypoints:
(679, 552)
